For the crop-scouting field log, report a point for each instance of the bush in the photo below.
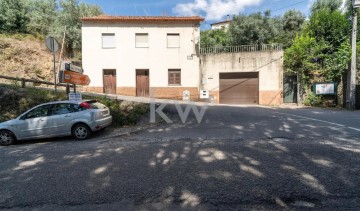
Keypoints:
(312, 100)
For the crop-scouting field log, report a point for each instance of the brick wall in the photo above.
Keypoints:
(270, 98)
(265, 97)
(128, 91)
(174, 92)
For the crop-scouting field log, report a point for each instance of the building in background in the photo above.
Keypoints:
(223, 24)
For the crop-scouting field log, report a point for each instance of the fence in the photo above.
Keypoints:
(241, 48)
(23, 82)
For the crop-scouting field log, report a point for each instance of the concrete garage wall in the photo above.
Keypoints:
(269, 64)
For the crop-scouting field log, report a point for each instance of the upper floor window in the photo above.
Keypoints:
(108, 40)
(141, 40)
(173, 40)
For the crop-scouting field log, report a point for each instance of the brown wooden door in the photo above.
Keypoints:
(110, 81)
(239, 88)
(142, 83)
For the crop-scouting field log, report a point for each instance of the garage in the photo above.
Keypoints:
(239, 88)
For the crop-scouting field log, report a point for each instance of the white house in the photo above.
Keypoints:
(222, 24)
(142, 56)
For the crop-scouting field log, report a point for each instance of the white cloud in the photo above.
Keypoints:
(213, 9)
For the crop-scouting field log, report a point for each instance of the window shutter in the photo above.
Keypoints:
(142, 40)
(174, 77)
(173, 40)
(108, 40)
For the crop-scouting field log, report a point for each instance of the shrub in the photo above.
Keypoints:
(312, 100)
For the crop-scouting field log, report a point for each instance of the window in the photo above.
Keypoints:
(41, 111)
(173, 40)
(108, 40)
(174, 76)
(141, 40)
(63, 108)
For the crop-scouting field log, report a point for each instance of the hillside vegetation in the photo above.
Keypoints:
(25, 56)
(15, 100)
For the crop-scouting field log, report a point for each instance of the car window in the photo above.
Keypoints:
(77, 107)
(38, 112)
(61, 108)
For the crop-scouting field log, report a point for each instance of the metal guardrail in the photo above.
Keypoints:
(241, 48)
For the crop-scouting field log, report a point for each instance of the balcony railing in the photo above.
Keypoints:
(241, 48)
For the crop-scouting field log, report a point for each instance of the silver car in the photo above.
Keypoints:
(61, 118)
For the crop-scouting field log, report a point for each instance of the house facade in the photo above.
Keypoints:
(142, 56)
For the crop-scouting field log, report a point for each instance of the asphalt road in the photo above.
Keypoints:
(237, 158)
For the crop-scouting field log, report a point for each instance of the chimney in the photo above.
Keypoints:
(228, 17)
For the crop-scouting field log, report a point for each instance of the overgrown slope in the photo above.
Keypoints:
(25, 56)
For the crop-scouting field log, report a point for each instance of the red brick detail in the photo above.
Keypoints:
(175, 93)
(270, 98)
(127, 91)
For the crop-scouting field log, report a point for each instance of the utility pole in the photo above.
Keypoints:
(351, 82)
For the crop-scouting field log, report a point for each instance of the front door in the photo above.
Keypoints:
(290, 89)
(142, 83)
(110, 81)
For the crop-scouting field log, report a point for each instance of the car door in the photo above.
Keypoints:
(61, 116)
(34, 124)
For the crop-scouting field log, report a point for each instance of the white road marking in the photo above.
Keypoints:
(318, 120)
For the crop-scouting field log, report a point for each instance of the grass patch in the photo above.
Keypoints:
(15, 100)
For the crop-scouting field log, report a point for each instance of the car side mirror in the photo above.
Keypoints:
(23, 117)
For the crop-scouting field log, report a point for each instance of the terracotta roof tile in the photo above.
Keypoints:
(107, 18)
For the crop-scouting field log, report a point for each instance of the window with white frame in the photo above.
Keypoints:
(108, 40)
(173, 40)
(141, 40)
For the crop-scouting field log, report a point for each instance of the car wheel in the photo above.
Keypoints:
(6, 138)
(81, 131)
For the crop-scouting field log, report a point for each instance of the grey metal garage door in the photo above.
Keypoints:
(239, 88)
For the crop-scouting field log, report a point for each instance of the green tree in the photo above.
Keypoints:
(332, 5)
(42, 15)
(299, 59)
(292, 23)
(13, 16)
(70, 15)
(333, 28)
(213, 38)
(256, 28)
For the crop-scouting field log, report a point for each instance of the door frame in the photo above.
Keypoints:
(146, 73)
(115, 74)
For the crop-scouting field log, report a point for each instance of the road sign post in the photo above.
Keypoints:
(53, 46)
(73, 78)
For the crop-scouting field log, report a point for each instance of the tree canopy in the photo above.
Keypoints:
(46, 17)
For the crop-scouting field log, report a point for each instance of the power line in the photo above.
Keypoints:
(289, 5)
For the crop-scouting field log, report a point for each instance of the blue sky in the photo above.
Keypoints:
(211, 10)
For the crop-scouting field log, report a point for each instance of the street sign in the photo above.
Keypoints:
(324, 88)
(73, 78)
(74, 68)
(75, 96)
(52, 44)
